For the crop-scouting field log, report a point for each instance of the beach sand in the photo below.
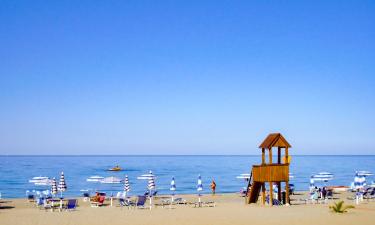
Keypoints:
(230, 209)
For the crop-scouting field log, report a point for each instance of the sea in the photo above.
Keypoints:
(16, 171)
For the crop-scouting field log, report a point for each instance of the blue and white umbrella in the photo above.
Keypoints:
(173, 185)
(151, 187)
(62, 184)
(199, 188)
(359, 181)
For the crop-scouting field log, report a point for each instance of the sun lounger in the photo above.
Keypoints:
(98, 203)
(169, 202)
(140, 203)
(71, 205)
(124, 202)
(30, 198)
(204, 204)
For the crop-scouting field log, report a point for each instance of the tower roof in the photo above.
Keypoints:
(275, 140)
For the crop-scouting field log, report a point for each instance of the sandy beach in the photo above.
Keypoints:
(230, 209)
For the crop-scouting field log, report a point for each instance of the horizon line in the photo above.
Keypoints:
(161, 155)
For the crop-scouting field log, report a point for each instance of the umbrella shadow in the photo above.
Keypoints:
(6, 207)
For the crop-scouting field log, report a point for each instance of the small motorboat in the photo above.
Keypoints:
(116, 168)
(94, 179)
(41, 181)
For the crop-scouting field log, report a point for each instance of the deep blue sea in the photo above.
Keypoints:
(15, 171)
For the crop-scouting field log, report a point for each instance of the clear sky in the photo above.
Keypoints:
(186, 77)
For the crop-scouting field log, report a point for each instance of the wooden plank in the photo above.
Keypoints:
(287, 192)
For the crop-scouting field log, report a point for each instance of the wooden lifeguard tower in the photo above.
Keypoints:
(273, 173)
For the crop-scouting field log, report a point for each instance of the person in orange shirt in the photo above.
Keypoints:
(213, 187)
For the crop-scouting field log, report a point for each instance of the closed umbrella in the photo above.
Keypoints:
(173, 188)
(62, 184)
(199, 188)
(359, 181)
(126, 185)
(62, 187)
(54, 187)
(151, 187)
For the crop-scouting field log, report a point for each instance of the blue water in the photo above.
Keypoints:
(15, 171)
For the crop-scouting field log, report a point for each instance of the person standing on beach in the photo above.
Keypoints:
(213, 187)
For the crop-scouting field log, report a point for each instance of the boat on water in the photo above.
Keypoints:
(40, 181)
(94, 179)
(116, 168)
(111, 180)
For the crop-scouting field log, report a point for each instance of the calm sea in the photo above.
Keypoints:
(15, 171)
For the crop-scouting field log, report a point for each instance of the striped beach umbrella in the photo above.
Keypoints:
(359, 181)
(173, 188)
(151, 187)
(62, 184)
(54, 187)
(199, 188)
(151, 184)
(199, 184)
(126, 185)
(173, 185)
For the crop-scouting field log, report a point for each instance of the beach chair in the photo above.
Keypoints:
(98, 203)
(39, 202)
(31, 198)
(141, 201)
(124, 202)
(71, 205)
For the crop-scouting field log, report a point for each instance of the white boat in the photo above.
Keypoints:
(111, 180)
(322, 176)
(243, 176)
(146, 176)
(94, 179)
(40, 181)
(364, 173)
(37, 179)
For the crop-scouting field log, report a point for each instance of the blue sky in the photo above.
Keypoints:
(186, 77)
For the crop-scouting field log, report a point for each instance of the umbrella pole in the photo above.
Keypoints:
(170, 206)
(150, 202)
(60, 201)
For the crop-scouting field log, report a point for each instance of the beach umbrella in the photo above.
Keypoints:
(62, 187)
(54, 187)
(151, 187)
(199, 188)
(62, 184)
(126, 185)
(173, 187)
(359, 181)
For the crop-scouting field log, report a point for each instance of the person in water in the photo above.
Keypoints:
(213, 187)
